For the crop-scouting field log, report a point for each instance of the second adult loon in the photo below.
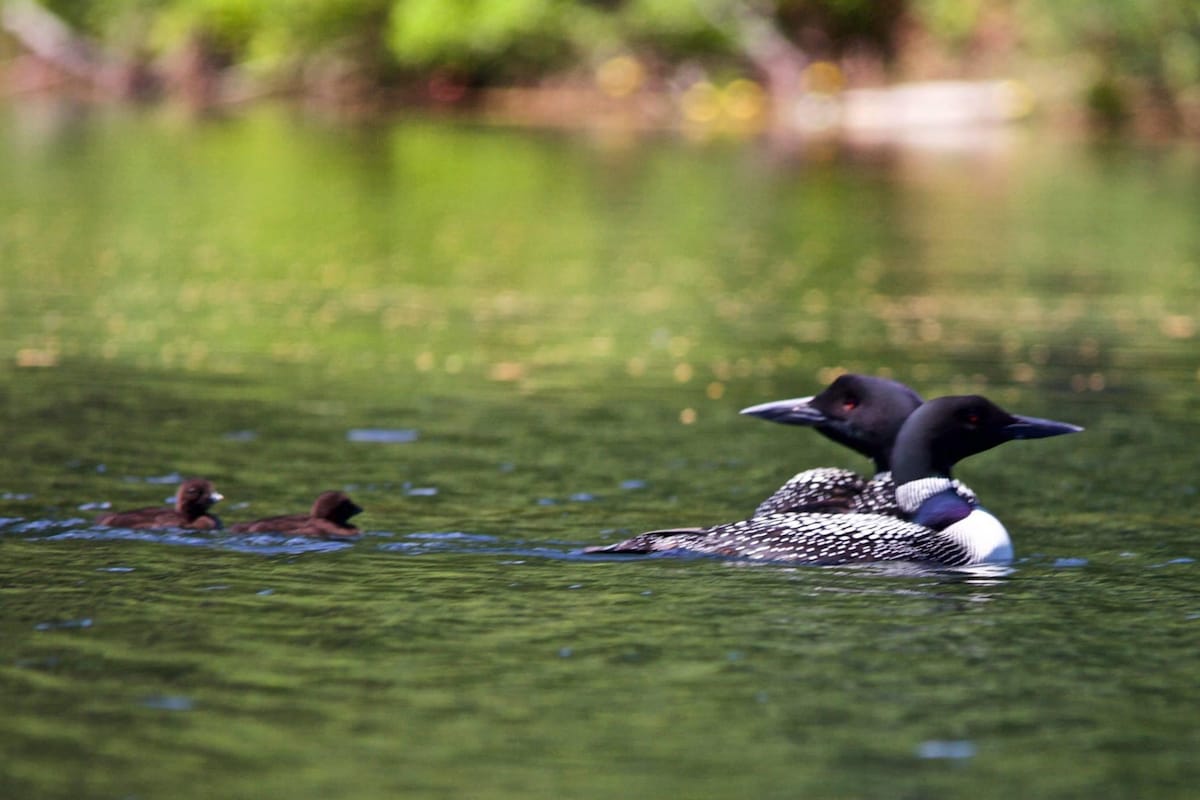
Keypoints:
(863, 413)
(941, 526)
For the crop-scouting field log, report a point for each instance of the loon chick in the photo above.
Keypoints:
(329, 517)
(861, 412)
(941, 526)
(192, 501)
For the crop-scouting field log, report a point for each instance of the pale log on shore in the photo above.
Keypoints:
(51, 40)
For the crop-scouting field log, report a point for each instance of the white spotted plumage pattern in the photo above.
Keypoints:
(819, 539)
(822, 489)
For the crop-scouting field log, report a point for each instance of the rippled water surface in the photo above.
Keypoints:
(508, 345)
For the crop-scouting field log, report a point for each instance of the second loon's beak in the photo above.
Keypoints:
(215, 497)
(797, 411)
(1034, 428)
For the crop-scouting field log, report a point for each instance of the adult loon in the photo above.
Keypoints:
(863, 413)
(940, 527)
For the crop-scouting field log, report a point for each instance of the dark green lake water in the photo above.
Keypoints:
(568, 325)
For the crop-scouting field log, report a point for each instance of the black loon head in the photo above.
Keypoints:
(861, 412)
(945, 430)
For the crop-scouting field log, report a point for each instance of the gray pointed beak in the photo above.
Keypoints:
(216, 497)
(1034, 428)
(796, 411)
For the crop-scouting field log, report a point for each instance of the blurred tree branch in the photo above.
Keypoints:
(51, 39)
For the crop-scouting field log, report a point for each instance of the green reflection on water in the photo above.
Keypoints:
(546, 311)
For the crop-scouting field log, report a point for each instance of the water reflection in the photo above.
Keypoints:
(806, 268)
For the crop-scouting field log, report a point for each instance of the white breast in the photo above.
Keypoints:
(983, 537)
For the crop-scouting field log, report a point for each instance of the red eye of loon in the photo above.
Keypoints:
(849, 404)
(972, 419)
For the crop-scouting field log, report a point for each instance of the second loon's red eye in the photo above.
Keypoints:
(972, 419)
(850, 403)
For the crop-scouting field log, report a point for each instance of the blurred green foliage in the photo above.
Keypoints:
(1144, 48)
(1155, 43)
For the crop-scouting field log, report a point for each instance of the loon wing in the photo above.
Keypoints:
(817, 539)
(827, 490)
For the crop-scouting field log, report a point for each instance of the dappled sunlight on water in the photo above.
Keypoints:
(538, 252)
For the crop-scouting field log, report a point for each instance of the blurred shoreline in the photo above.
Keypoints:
(780, 85)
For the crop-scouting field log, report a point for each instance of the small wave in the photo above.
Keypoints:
(454, 536)
(168, 702)
(449, 542)
(19, 525)
(441, 541)
(273, 544)
(63, 624)
(171, 478)
(131, 535)
(954, 750)
(261, 543)
(382, 435)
